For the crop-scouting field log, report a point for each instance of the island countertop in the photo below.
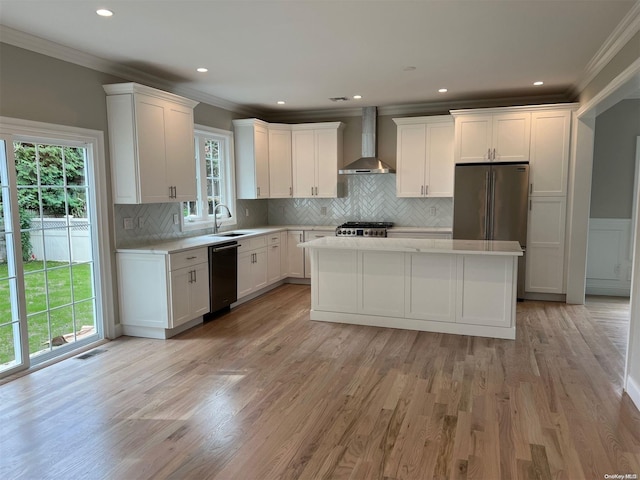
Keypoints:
(461, 247)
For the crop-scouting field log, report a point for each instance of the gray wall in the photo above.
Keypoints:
(614, 160)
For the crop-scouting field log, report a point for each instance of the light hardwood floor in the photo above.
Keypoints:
(264, 392)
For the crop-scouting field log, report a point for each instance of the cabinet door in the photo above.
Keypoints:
(273, 263)
(430, 287)
(280, 170)
(473, 138)
(511, 134)
(181, 164)
(303, 153)
(545, 245)
(150, 132)
(180, 296)
(295, 254)
(326, 166)
(261, 145)
(245, 262)
(411, 158)
(312, 235)
(259, 272)
(440, 164)
(284, 252)
(549, 153)
(381, 286)
(199, 297)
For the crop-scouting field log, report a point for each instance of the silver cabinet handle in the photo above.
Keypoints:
(190, 276)
(530, 188)
(488, 154)
(228, 247)
(258, 191)
(191, 258)
(312, 191)
(316, 191)
(195, 277)
(494, 154)
(426, 189)
(301, 237)
(421, 189)
(291, 191)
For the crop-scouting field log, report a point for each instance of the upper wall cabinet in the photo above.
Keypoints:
(425, 164)
(280, 169)
(317, 156)
(491, 136)
(152, 146)
(550, 137)
(252, 158)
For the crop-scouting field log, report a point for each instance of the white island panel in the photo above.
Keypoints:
(382, 283)
(334, 287)
(430, 287)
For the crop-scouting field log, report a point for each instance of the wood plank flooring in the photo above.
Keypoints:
(265, 393)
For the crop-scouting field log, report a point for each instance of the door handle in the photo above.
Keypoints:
(530, 188)
(494, 154)
(426, 189)
(290, 191)
(421, 189)
(488, 154)
(195, 277)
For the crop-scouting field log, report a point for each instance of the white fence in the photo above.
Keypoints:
(62, 239)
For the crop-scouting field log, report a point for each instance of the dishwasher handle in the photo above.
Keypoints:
(228, 247)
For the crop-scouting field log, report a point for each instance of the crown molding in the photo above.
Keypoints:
(626, 29)
(67, 54)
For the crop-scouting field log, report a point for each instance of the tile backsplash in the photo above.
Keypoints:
(159, 226)
(366, 198)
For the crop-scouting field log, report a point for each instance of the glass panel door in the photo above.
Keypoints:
(57, 251)
(13, 345)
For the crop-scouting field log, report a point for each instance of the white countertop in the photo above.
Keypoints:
(477, 247)
(186, 243)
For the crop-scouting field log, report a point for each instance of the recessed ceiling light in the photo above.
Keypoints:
(537, 84)
(443, 90)
(357, 97)
(103, 12)
(202, 70)
(280, 102)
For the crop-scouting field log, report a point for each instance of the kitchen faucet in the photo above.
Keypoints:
(215, 217)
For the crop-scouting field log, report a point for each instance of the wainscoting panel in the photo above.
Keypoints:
(609, 257)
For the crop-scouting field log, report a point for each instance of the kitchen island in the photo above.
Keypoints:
(463, 287)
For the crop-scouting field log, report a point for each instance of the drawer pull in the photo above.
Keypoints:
(191, 258)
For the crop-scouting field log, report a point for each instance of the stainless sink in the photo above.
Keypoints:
(232, 234)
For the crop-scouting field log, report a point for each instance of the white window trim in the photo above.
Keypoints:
(229, 183)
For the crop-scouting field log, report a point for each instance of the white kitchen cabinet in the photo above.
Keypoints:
(545, 245)
(549, 164)
(381, 286)
(317, 157)
(252, 265)
(178, 284)
(313, 235)
(280, 168)
(430, 287)
(274, 258)
(284, 252)
(425, 164)
(295, 254)
(492, 136)
(251, 139)
(151, 142)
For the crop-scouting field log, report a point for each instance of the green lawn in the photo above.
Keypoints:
(69, 290)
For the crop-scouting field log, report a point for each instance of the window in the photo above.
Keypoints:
(215, 177)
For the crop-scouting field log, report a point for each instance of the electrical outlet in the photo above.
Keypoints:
(433, 211)
(128, 223)
(323, 210)
(141, 222)
(246, 212)
(176, 219)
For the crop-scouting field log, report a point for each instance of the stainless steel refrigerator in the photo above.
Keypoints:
(490, 202)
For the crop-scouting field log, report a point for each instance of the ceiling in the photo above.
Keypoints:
(392, 52)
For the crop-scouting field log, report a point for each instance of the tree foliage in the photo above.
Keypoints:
(59, 171)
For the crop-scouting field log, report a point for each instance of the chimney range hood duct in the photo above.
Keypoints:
(369, 162)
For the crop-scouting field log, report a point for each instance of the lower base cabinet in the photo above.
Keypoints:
(295, 254)
(252, 271)
(160, 293)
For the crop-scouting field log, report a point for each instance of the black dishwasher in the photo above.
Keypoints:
(223, 275)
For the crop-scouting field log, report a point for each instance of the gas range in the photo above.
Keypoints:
(363, 229)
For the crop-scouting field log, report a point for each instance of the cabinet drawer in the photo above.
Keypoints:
(252, 243)
(274, 238)
(188, 258)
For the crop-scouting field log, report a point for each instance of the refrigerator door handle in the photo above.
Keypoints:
(492, 203)
(486, 206)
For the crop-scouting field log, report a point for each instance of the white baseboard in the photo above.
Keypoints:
(633, 390)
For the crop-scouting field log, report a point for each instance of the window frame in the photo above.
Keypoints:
(192, 222)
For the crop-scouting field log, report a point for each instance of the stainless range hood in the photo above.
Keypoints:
(369, 162)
